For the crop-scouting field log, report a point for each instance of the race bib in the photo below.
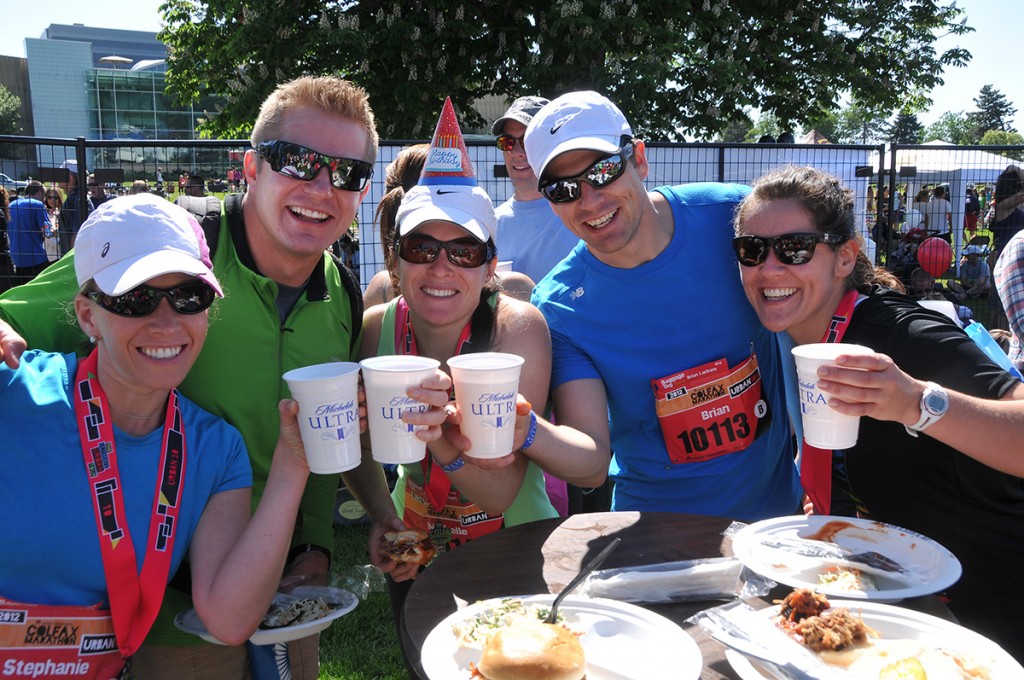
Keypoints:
(710, 410)
(457, 522)
(38, 641)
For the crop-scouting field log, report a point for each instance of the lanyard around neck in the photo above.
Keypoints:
(135, 598)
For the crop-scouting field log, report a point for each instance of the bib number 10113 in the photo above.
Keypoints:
(716, 434)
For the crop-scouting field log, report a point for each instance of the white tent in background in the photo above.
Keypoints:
(939, 162)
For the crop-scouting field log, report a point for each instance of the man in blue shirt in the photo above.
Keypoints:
(650, 326)
(28, 220)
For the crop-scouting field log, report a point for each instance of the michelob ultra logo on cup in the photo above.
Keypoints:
(387, 380)
(486, 385)
(328, 414)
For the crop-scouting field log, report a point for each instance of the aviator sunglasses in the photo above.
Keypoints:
(300, 162)
(462, 252)
(598, 175)
(795, 248)
(188, 298)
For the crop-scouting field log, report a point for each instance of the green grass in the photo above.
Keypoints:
(364, 644)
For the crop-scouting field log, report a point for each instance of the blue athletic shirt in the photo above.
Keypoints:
(684, 308)
(49, 537)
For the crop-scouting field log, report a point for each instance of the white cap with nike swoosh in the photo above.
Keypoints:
(467, 206)
(575, 121)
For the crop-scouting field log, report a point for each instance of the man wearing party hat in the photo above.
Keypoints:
(449, 305)
(689, 376)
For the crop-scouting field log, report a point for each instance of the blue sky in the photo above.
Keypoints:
(994, 45)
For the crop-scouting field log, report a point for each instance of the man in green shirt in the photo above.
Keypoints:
(285, 307)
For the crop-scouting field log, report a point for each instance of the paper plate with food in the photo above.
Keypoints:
(299, 613)
(846, 557)
(854, 639)
(593, 638)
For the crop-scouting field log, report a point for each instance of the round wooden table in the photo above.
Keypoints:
(541, 557)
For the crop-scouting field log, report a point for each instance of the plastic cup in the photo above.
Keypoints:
(486, 385)
(328, 396)
(386, 380)
(824, 427)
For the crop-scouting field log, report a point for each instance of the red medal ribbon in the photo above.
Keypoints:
(135, 598)
(815, 463)
(437, 485)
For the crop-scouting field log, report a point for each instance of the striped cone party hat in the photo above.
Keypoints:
(447, 159)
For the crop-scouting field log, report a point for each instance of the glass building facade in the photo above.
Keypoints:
(125, 104)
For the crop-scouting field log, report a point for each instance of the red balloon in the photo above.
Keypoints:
(935, 256)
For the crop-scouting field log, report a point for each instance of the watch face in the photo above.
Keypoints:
(936, 403)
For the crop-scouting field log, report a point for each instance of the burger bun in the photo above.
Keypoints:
(533, 651)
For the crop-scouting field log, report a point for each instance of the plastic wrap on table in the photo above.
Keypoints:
(716, 578)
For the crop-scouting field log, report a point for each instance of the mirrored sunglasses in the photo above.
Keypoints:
(300, 162)
(598, 175)
(188, 298)
(461, 252)
(508, 142)
(797, 248)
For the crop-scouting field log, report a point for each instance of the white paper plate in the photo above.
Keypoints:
(619, 640)
(189, 621)
(897, 623)
(935, 566)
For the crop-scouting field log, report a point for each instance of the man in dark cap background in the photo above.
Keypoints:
(529, 232)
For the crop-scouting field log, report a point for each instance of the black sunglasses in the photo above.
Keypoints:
(598, 175)
(462, 252)
(188, 298)
(795, 248)
(300, 162)
(508, 142)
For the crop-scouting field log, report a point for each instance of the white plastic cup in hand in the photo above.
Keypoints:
(328, 397)
(824, 427)
(386, 380)
(486, 385)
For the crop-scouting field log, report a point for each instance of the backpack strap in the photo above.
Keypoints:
(210, 222)
(355, 297)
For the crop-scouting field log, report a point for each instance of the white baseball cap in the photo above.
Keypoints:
(131, 239)
(575, 121)
(466, 205)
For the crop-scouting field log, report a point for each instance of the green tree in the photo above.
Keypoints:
(994, 112)
(735, 131)
(675, 67)
(1004, 138)
(766, 124)
(955, 128)
(858, 123)
(905, 129)
(10, 112)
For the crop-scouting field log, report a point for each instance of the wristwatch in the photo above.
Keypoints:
(934, 404)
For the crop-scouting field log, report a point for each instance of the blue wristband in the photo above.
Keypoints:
(455, 464)
(531, 433)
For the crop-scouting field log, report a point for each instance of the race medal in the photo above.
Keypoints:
(710, 410)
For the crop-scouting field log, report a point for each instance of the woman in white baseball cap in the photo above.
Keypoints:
(450, 304)
(111, 477)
